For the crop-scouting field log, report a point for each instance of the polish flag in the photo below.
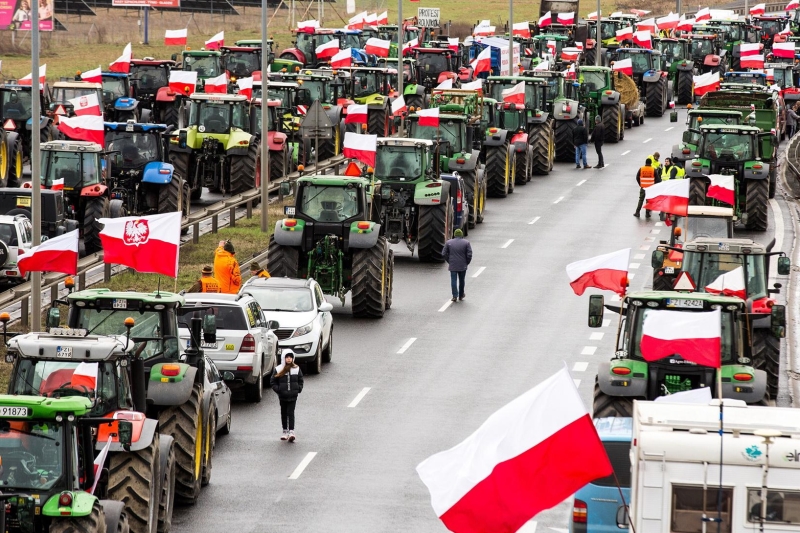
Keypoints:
(216, 85)
(522, 29)
(176, 37)
(123, 63)
(57, 185)
(429, 117)
(570, 54)
(245, 87)
(327, 50)
(705, 83)
(307, 26)
(694, 336)
(749, 49)
(445, 85)
(85, 374)
(216, 42)
(476, 85)
(793, 4)
(183, 81)
(528, 456)
(625, 34)
(671, 196)
(371, 19)
(383, 18)
(482, 63)
(515, 94)
(756, 61)
(361, 147)
(378, 47)
(624, 65)
(703, 14)
(483, 29)
(787, 30)
(721, 188)
(607, 271)
(566, 18)
(783, 49)
(399, 106)
(413, 43)
(99, 461)
(551, 48)
(93, 76)
(146, 244)
(592, 16)
(59, 254)
(344, 58)
(85, 128)
(28, 80)
(669, 22)
(579, 46)
(86, 105)
(687, 24)
(729, 284)
(649, 24)
(643, 39)
(639, 12)
(356, 114)
(452, 43)
(357, 21)
(757, 10)
(541, 67)
(545, 20)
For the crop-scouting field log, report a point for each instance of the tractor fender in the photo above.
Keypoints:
(425, 195)
(469, 162)
(126, 104)
(165, 94)
(447, 75)
(637, 387)
(143, 433)
(566, 110)
(289, 236)
(94, 190)
(759, 386)
(652, 76)
(378, 103)
(157, 172)
(413, 88)
(112, 510)
(520, 141)
(498, 138)
(688, 66)
(237, 143)
(750, 174)
(609, 99)
(678, 155)
(538, 118)
(43, 123)
(334, 113)
(296, 54)
(275, 141)
(238, 150)
(172, 392)
(365, 238)
(82, 504)
(712, 60)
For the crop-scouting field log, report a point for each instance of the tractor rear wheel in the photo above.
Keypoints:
(434, 227)
(541, 139)
(376, 123)
(282, 261)
(170, 116)
(169, 196)
(773, 181)
(683, 87)
(94, 522)
(612, 121)
(389, 286)
(370, 269)
(327, 147)
(756, 203)
(166, 503)
(662, 283)
(697, 191)
(97, 207)
(521, 167)
(277, 164)
(243, 170)
(15, 164)
(497, 171)
(469, 177)
(5, 156)
(133, 478)
(181, 161)
(185, 423)
(604, 405)
(565, 148)
(767, 357)
(654, 98)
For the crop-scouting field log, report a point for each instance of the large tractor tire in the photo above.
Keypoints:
(282, 261)
(590, 56)
(370, 273)
(756, 203)
(663, 283)
(497, 171)
(170, 116)
(97, 207)
(5, 157)
(16, 156)
(522, 174)
(697, 191)
(133, 478)
(612, 122)
(415, 100)
(767, 357)
(47, 134)
(604, 405)
(327, 147)
(166, 503)
(94, 522)
(115, 517)
(243, 171)
(654, 98)
(185, 423)
(389, 287)
(565, 148)
(683, 87)
(377, 123)
(435, 226)
(277, 165)
(169, 196)
(469, 177)
(181, 162)
(773, 181)
(542, 141)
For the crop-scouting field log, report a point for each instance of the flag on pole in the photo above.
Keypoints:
(83, 128)
(99, 461)
(59, 254)
(649, 24)
(85, 374)
(643, 39)
(93, 76)
(327, 50)
(357, 114)
(721, 188)
(785, 50)
(750, 49)
(703, 14)
(607, 271)
(307, 26)
(729, 284)
(86, 105)
(545, 20)
(482, 63)
(566, 18)
(754, 61)
(793, 4)
(378, 47)
(685, 24)
(383, 18)
(445, 85)
(176, 37)
(592, 16)
(399, 106)
(522, 29)
(28, 80)
(706, 83)
(515, 94)
(476, 85)
(360, 147)
(343, 58)
(123, 63)
(216, 42)
(671, 196)
(668, 22)
(623, 65)
(625, 34)
(245, 86)
(145, 244)
(693, 335)
(757, 10)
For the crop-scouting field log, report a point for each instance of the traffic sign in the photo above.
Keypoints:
(316, 124)
(684, 283)
(428, 17)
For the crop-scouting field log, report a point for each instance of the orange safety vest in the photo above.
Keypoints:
(647, 177)
(209, 284)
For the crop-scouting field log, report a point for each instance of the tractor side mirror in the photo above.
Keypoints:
(596, 309)
(182, 139)
(778, 320)
(687, 136)
(285, 188)
(125, 433)
(174, 57)
(210, 329)
(657, 259)
(53, 317)
(622, 517)
(784, 265)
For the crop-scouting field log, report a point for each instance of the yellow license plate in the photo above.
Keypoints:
(23, 201)
(230, 347)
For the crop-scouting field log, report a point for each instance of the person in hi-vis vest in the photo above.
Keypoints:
(645, 177)
(207, 281)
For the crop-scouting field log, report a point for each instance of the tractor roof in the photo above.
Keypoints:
(15, 87)
(527, 79)
(593, 68)
(106, 298)
(544, 74)
(333, 181)
(71, 146)
(251, 42)
(382, 70)
(134, 126)
(550, 37)
(737, 128)
(77, 85)
(446, 117)
(403, 141)
(114, 75)
(248, 49)
(84, 348)
(701, 36)
(153, 62)
(280, 84)
(672, 295)
(218, 97)
(725, 246)
(703, 112)
(433, 50)
(44, 407)
(638, 51)
(710, 211)
(201, 53)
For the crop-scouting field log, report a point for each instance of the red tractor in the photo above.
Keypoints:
(435, 65)
(277, 141)
(150, 82)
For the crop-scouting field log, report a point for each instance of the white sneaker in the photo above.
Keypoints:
(291, 436)
(285, 434)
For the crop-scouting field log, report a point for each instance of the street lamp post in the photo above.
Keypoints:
(400, 38)
(264, 170)
(36, 177)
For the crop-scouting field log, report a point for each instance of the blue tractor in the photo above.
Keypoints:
(118, 103)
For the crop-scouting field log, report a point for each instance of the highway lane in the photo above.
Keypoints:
(352, 469)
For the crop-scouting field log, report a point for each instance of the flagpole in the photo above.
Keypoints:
(598, 39)
(400, 68)
(264, 170)
(36, 178)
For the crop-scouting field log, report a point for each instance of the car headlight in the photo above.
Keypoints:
(299, 332)
(302, 348)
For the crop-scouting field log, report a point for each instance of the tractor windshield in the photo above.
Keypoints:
(781, 79)
(283, 94)
(271, 118)
(398, 163)
(433, 63)
(702, 48)
(243, 64)
(711, 120)
(770, 26)
(113, 88)
(318, 90)
(16, 105)
(148, 330)
(746, 78)
(730, 147)
(352, 40)
(215, 117)
(447, 131)
(641, 62)
(705, 268)
(308, 42)
(707, 227)
(365, 82)
(608, 30)
(594, 81)
(205, 66)
(671, 50)
(733, 32)
(72, 169)
(62, 94)
(329, 204)
(512, 120)
(137, 148)
(33, 454)
(149, 78)
(532, 91)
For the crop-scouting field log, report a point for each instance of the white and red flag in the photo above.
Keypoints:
(607, 271)
(445, 85)
(399, 106)
(545, 20)
(452, 43)
(787, 30)
(750, 49)
(307, 26)
(625, 34)
(216, 42)
(57, 184)
(668, 22)
(529, 456)
(357, 114)
(86, 105)
(356, 22)
(413, 43)
(515, 94)
(703, 14)
(482, 63)
(566, 18)
(685, 24)
(245, 86)
(84, 375)
(371, 19)
(643, 39)
(729, 284)
(705, 83)
(327, 50)
(570, 54)
(793, 4)
(783, 49)
(93, 76)
(541, 67)
(217, 85)
(476, 85)
(343, 58)
(183, 81)
(123, 63)
(756, 61)
(757, 10)
(592, 16)
(176, 37)
(84, 128)
(639, 12)
(360, 147)
(429, 117)
(623, 65)
(483, 31)
(28, 80)
(145, 244)
(522, 29)
(721, 188)
(378, 47)
(59, 254)
(99, 461)
(649, 24)
(671, 196)
(693, 335)
(383, 18)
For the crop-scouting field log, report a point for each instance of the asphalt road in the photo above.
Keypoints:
(433, 372)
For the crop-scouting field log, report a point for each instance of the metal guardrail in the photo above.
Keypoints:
(773, 7)
(21, 294)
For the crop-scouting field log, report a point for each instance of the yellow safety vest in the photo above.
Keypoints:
(653, 162)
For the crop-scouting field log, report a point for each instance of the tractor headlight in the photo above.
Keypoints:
(299, 332)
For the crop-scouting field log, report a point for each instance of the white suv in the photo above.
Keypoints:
(16, 237)
(305, 323)
(245, 346)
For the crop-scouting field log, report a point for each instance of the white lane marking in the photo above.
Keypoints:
(596, 336)
(559, 199)
(649, 239)
(588, 350)
(606, 322)
(508, 243)
(631, 275)
(580, 183)
(577, 383)
(361, 395)
(777, 214)
(534, 220)
(634, 265)
(303, 464)
(528, 527)
(655, 231)
(580, 367)
(626, 152)
(443, 308)
(669, 128)
(638, 256)
(479, 272)
(407, 345)
(647, 140)
(559, 529)
(644, 247)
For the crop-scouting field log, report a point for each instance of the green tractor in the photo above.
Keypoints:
(600, 99)
(679, 66)
(368, 86)
(695, 118)
(333, 238)
(608, 32)
(734, 33)
(628, 377)
(215, 151)
(207, 64)
(562, 108)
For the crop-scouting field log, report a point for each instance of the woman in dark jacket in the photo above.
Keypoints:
(287, 382)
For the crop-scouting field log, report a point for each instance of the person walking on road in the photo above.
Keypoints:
(257, 272)
(226, 268)
(791, 121)
(287, 382)
(580, 138)
(645, 177)
(458, 254)
(207, 281)
(598, 134)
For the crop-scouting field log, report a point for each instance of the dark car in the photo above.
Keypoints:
(458, 194)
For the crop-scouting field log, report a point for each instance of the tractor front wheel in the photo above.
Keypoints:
(133, 479)
(370, 274)
(612, 122)
(242, 177)
(96, 207)
(469, 177)
(756, 203)
(565, 148)
(435, 226)
(169, 196)
(521, 167)
(542, 141)
(282, 261)
(377, 123)
(767, 357)
(683, 87)
(15, 160)
(497, 171)
(610, 406)
(185, 423)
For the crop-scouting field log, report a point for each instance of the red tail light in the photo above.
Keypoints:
(248, 344)
(459, 201)
(579, 512)
(742, 377)
(621, 371)
(20, 251)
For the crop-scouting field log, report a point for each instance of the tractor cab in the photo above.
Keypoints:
(535, 89)
(207, 63)
(644, 61)
(118, 104)
(272, 116)
(138, 145)
(747, 79)
(673, 50)
(75, 165)
(64, 91)
(769, 27)
(549, 45)
(241, 61)
(367, 85)
(218, 113)
(149, 75)
(15, 105)
(434, 65)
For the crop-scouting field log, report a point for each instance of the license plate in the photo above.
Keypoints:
(688, 304)
(289, 210)
(14, 412)
(724, 247)
(669, 270)
(64, 352)
(209, 345)
(23, 201)
(120, 303)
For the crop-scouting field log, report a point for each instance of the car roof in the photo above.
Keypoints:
(7, 219)
(279, 282)
(206, 297)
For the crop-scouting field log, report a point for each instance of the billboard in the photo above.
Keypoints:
(145, 3)
(16, 14)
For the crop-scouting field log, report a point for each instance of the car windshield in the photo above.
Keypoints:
(16, 105)
(136, 148)
(62, 94)
(148, 329)
(243, 64)
(728, 335)
(33, 454)
(205, 66)
(66, 166)
(329, 204)
(149, 78)
(641, 62)
(365, 82)
(284, 299)
(114, 88)
(432, 63)
(702, 47)
(398, 163)
(705, 227)
(447, 131)
(230, 317)
(728, 147)
(594, 81)
(705, 268)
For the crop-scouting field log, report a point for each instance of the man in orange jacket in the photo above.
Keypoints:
(226, 268)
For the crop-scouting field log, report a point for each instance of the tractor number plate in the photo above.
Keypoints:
(23, 201)
(289, 210)
(64, 352)
(689, 304)
(669, 270)
(14, 412)
(724, 247)
(120, 303)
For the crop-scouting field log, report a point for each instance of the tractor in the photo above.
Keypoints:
(695, 118)
(435, 65)
(294, 102)
(708, 52)
(597, 94)
(214, 150)
(118, 104)
(277, 141)
(207, 64)
(240, 61)
(562, 108)
(413, 94)
(149, 79)
(306, 44)
(650, 78)
(15, 117)
(369, 86)
(275, 65)
(628, 376)
(734, 34)
(768, 27)
(389, 33)
(333, 236)
(608, 32)
(64, 91)
(785, 77)
(680, 67)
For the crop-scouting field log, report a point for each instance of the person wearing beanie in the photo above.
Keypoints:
(207, 281)
(580, 139)
(226, 268)
(287, 382)
(458, 254)
(598, 138)
(257, 272)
